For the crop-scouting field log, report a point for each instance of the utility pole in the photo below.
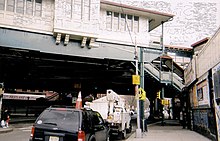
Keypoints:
(142, 86)
(162, 90)
(1, 96)
(138, 130)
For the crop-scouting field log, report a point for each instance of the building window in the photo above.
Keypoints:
(78, 9)
(38, 7)
(121, 22)
(87, 10)
(129, 22)
(20, 6)
(23, 6)
(109, 20)
(136, 24)
(2, 4)
(116, 21)
(29, 7)
(10, 5)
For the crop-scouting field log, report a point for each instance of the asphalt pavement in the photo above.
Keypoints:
(171, 131)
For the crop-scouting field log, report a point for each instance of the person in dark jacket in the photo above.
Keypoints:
(6, 117)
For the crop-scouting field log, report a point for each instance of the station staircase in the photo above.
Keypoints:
(164, 76)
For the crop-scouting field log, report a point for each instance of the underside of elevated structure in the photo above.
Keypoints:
(32, 61)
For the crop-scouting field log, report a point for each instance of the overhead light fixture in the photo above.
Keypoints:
(83, 44)
(92, 43)
(66, 40)
(58, 39)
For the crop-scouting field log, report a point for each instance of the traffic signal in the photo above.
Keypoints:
(158, 94)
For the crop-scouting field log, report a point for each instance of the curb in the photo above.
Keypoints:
(5, 130)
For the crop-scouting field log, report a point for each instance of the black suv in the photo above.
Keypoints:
(69, 124)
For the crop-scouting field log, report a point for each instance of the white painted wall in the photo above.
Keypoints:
(124, 37)
(77, 17)
(210, 55)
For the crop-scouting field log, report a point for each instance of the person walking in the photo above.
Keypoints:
(6, 118)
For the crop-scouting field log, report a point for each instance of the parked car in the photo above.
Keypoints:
(69, 124)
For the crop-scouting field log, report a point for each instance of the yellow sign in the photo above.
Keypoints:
(165, 102)
(158, 94)
(142, 94)
(136, 79)
(162, 102)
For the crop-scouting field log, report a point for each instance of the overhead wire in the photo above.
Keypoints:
(126, 22)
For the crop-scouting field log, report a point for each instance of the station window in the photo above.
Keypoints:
(109, 13)
(109, 20)
(29, 7)
(10, 5)
(38, 7)
(22, 5)
(116, 21)
(129, 22)
(121, 22)
(136, 24)
(87, 9)
(2, 4)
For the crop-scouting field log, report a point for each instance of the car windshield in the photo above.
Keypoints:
(68, 119)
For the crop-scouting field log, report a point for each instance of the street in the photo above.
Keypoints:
(21, 132)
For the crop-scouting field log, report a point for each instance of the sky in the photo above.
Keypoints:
(194, 19)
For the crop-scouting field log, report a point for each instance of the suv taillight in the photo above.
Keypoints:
(32, 131)
(81, 136)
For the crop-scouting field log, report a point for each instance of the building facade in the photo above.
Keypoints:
(203, 87)
(86, 20)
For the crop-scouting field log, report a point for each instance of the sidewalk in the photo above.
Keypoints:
(16, 120)
(5, 130)
(169, 132)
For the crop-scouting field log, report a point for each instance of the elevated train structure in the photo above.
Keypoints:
(66, 50)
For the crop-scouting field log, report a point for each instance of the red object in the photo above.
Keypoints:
(79, 101)
(81, 136)
(32, 131)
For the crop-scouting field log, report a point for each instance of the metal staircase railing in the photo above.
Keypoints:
(164, 77)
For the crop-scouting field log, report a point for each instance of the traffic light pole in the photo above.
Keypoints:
(162, 97)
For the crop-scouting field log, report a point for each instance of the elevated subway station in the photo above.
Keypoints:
(91, 57)
(34, 70)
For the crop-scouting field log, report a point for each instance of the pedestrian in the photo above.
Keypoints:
(6, 118)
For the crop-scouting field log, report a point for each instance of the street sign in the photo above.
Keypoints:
(165, 102)
(158, 94)
(142, 94)
(136, 79)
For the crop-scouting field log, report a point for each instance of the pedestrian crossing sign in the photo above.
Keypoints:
(142, 94)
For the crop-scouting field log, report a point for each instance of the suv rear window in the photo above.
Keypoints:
(65, 119)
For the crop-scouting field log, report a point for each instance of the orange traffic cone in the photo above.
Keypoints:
(79, 101)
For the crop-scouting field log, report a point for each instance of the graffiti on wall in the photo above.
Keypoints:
(193, 20)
